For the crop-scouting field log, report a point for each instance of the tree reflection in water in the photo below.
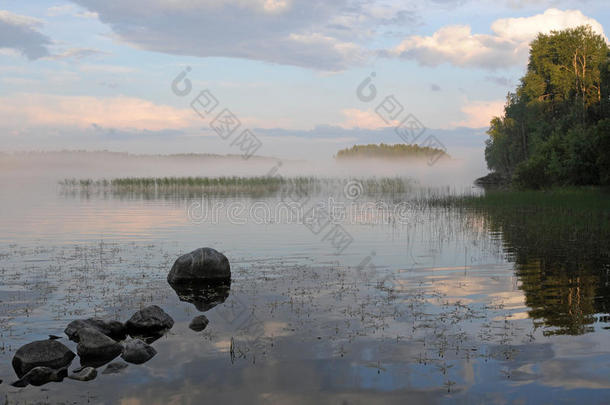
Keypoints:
(562, 258)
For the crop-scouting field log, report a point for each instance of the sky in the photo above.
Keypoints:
(306, 77)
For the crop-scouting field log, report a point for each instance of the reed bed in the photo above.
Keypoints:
(263, 185)
(589, 198)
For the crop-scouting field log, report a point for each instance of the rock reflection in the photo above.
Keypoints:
(204, 296)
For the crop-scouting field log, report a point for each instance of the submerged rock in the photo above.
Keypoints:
(492, 180)
(199, 323)
(45, 353)
(200, 265)
(113, 329)
(115, 367)
(41, 375)
(83, 374)
(149, 321)
(138, 352)
(204, 296)
(94, 345)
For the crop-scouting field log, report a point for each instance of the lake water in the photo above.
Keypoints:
(425, 305)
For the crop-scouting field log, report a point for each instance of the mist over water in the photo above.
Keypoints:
(32, 197)
(460, 171)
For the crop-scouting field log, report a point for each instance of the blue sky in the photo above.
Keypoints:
(96, 74)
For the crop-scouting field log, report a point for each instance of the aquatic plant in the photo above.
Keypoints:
(257, 186)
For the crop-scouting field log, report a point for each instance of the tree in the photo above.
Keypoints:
(549, 132)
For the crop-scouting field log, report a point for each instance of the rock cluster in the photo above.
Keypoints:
(202, 277)
(99, 342)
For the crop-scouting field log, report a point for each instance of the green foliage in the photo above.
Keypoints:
(554, 130)
(602, 133)
(531, 173)
(384, 151)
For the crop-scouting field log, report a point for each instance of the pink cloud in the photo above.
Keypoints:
(33, 110)
(365, 119)
(479, 113)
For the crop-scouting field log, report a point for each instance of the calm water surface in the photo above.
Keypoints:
(444, 306)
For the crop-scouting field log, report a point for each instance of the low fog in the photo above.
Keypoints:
(462, 169)
(464, 166)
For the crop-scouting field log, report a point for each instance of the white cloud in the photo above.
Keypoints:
(45, 110)
(19, 20)
(20, 33)
(70, 10)
(33, 110)
(525, 29)
(318, 34)
(64, 9)
(115, 69)
(508, 45)
(76, 54)
(275, 6)
(363, 119)
(86, 14)
(458, 45)
(479, 113)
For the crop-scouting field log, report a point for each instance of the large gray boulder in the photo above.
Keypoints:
(94, 345)
(45, 353)
(200, 266)
(138, 352)
(149, 321)
(113, 329)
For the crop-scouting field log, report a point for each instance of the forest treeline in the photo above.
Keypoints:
(555, 130)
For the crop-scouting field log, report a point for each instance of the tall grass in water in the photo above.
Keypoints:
(264, 185)
(579, 212)
(560, 198)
